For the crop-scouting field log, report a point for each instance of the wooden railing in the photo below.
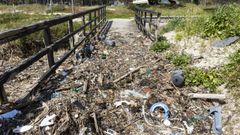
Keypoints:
(96, 19)
(144, 17)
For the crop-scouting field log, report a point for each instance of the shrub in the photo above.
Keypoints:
(232, 71)
(160, 45)
(225, 22)
(179, 59)
(172, 25)
(208, 78)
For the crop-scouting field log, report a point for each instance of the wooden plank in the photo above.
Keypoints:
(47, 42)
(70, 30)
(3, 96)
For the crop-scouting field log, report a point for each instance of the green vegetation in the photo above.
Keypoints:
(184, 10)
(232, 71)
(208, 78)
(172, 25)
(179, 59)
(119, 12)
(161, 45)
(9, 20)
(225, 22)
(222, 23)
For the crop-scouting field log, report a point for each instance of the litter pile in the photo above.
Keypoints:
(118, 89)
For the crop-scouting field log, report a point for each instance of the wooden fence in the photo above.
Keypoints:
(144, 17)
(96, 19)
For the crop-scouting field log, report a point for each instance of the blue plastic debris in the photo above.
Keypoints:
(177, 78)
(166, 111)
(217, 125)
(226, 42)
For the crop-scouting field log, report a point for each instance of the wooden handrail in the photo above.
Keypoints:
(13, 34)
(144, 17)
(94, 23)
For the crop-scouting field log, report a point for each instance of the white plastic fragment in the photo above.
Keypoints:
(189, 128)
(110, 132)
(76, 116)
(47, 121)
(10, 115)
(167, 123)
(47, 128)
(22, 129)
(119, 103)
(129, 93)
(82, 131)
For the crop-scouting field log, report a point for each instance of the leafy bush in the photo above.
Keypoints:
(160, 45)
(232, 71)
(225, 22)
(172, 24)
(179, 59)
(179, 36)
(56, 8)
(207, 78)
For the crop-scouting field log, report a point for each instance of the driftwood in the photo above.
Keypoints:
(129, 73)
(207, 96)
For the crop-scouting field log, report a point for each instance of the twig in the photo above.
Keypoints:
(85, 86)
(122, 77)
(44, 113)
(63, 124)
(95, 121)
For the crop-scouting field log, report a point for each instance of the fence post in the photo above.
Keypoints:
(84, 22)
(99, 17)
(105, 13)
(70, 30)
(3, 96)
(47, 42)
(150, 24)
(90, 20)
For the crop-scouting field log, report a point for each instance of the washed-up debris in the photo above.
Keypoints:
(48, 121)
(119, 103)
(82, 131)
(177, 78)
(77, 89)
(207, 96)
(226, 42)
(22, 129)
(56, 94)
(64, 73)
(85, 52)
(189, 128)
(132, 93)
(166, 112)
(217, 124)
(10, 115)
(109, 42)
(110, 132)
(122, 77)
(102, 37)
